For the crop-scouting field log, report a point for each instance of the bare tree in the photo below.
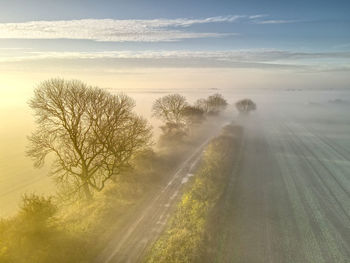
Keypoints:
(202, 104)
(91, 133)
(245, 106)
(216, 103)
(170, 108)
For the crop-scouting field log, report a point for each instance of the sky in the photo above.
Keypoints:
(132, 44)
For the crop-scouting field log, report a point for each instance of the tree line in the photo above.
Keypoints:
(93, 134)
(102, 151)
(179, 116)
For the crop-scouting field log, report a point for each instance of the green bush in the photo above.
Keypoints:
(35, 235)
(55, 230)
(183, 239)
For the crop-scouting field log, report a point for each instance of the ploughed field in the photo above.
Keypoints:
(287, 199)
(289, 196)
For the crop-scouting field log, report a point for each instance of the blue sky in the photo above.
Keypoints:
(300, 36)
(304, 25)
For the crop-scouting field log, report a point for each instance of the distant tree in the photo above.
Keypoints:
(170, 108)
(91, 133)
(245, 106)
(202, 104)
(216, 103)
(193, 115)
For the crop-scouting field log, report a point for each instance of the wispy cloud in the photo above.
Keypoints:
(151, 30)
(246, 55)
(258, 16)
(276, 59)
(271, 21)
(134, 30)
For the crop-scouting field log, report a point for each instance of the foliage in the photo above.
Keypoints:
(193, 115)
(173, 134)
(96, 137)
(36, 235)
(245, 106)
(45, 230)
(92, 133)
(213, 105)
(183, 239)
(202, 104)
(216, 103)
(180, 119)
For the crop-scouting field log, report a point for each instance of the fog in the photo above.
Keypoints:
(324, 110)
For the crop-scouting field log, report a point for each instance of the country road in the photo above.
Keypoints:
(146, 224)
(289, 197)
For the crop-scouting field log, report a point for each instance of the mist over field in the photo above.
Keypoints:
(325, 110)
(188, 131)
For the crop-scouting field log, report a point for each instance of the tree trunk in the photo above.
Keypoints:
(87, 192)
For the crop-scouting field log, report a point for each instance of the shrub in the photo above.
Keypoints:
(183, 239)
(35, 235)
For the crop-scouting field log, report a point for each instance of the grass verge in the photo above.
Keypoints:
(184, 239)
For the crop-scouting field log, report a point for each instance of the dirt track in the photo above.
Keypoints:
(288, 200)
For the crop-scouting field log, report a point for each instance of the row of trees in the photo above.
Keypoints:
(93, 137)
(178, 115)
(93, 134)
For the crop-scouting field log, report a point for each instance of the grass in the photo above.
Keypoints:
(184, 239)
(47, 230)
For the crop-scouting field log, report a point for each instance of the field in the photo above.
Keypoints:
(288, 200)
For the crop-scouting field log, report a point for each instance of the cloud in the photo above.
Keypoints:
(122, 30)
(152, 30)
(260, 55)
(258, 16)
(260, 58)
(264, 22)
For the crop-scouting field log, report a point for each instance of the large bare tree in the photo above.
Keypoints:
(91, 133)
(170, 108)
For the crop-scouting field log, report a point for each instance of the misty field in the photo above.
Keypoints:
(287, 200)
(174, 131)
(18, 174)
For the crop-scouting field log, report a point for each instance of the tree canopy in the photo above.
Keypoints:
(91, 133)
(193, 115)
(170, 108)
(213, 104)
(216, 103)
(202, 104)
(245, 106)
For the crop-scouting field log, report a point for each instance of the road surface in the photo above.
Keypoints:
(288, 198)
